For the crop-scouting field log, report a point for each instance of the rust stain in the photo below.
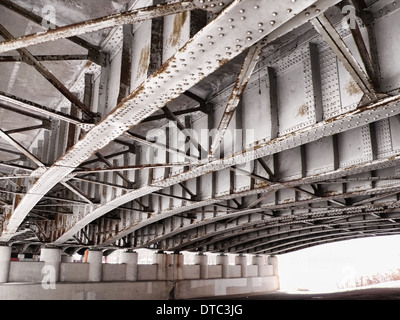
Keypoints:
(179, 22)
(303, 110)
(144, 61)
(223, 61)
(352, 89)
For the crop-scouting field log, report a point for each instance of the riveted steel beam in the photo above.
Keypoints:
(119, 19)
(157, 91)
(129, 168)
(94, 51)
(264, 208)
(317, 131)
(45, 58)
(268, 236)
(36, 108)
(333, 236)
(232, 231)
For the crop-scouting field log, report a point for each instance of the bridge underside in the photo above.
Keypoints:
(238, 126)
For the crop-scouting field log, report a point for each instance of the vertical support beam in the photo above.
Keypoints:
(62, 137)
(126, 63)
(88, 91)
(156, 44)
(103, 88)
(374, 142)
(316, 81)
(274, 105)
(95, 260)
(5, 257)
(72, 129)
(336, 161)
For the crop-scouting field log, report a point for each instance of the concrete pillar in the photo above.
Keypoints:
(223, 260)
(242, 261)
(51, 258)
(202, 260)
(259, 262)
(160, 258)
(130, 258)
(95, 260)
(5, 257)
(273, 261)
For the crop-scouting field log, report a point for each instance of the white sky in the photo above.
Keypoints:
(320, 268)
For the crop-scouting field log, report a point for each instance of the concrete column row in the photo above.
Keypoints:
(241, 260)
(169, 266)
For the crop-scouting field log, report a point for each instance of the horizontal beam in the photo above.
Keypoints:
(132, 168)
(42, 58)
(175, 113)
(111, 21)
(37, 108)
(94, 50)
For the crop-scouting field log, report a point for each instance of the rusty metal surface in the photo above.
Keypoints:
(309, 155)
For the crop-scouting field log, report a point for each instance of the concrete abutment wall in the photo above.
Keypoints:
(167, 277)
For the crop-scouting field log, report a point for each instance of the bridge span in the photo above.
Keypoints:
(246, 127)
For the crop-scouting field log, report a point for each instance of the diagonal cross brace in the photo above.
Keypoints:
(240, 86)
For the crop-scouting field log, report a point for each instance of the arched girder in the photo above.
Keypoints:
(131, 108)
(274, 240)
(233, 235)
(227, 236)
(266, 208)
(308, 244)
(318, 239)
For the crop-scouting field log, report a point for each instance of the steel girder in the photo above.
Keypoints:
(164, 228)
(130, 111)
